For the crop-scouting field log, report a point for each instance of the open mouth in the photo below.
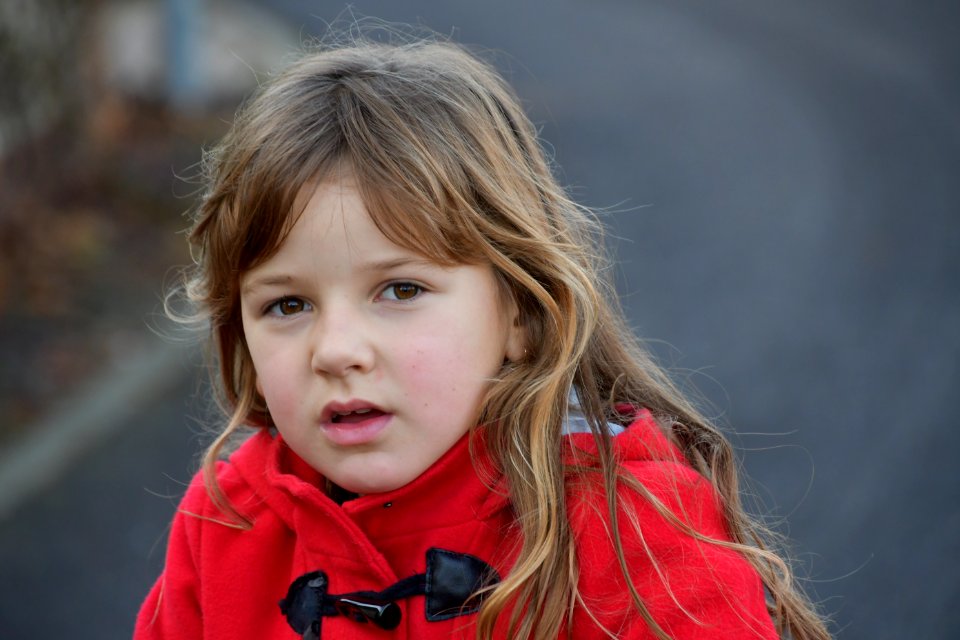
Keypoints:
(352, 417)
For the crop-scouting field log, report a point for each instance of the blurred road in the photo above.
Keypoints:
(783, 189)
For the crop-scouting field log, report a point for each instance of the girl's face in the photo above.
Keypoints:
(373, 360)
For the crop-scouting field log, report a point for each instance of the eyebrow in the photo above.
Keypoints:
(401, 261)
(265, 281)
(372, 266)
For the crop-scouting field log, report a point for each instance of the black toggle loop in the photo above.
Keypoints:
(451, 585)
(384, 614)
(453, 581)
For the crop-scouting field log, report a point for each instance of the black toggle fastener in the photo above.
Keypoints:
(450, 585)
(385, 615)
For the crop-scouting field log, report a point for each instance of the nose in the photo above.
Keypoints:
(341, 344)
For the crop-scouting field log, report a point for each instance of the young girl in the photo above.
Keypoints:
(453, 432)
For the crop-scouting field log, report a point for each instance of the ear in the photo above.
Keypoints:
(516, 346)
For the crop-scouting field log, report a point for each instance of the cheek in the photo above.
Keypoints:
(424, 364)
(275, 383)
(449, 366)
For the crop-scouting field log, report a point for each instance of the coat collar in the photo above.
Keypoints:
(454, 489)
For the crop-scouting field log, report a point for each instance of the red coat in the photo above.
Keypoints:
(221, 582)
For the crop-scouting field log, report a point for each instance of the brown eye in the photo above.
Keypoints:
(287, 307)
(290, 306)
(402, 291)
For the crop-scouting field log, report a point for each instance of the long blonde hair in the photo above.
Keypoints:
(449, 165)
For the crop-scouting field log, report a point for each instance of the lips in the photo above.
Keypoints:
(354, 422)
(354, 410)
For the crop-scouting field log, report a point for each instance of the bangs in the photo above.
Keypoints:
(410, 153)
(415, 221)
(413, 154)
(412, 219)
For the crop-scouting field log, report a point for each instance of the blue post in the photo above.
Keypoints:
(184, 66)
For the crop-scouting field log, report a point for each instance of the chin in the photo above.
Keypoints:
(366, 486)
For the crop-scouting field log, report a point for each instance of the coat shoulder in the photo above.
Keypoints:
(674, 551)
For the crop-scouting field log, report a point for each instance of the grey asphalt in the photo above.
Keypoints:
(783, 191)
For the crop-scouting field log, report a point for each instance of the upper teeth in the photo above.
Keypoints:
(346, 413)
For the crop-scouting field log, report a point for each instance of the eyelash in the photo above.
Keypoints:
(275, 307)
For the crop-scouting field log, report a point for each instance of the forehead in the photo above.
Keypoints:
(334, 212)
(403, 218)
(333, 231)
